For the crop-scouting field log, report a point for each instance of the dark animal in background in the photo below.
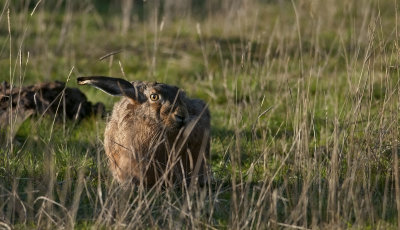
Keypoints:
(155, 133)
(52, 98)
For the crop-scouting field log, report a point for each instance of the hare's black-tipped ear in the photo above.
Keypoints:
(112, 86)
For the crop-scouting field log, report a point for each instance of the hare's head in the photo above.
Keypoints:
(160, 103)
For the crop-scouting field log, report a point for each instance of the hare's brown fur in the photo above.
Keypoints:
(147, 141)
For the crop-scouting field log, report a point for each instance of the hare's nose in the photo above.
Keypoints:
(179, 118)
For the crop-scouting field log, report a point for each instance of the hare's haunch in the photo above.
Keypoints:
(155, 133)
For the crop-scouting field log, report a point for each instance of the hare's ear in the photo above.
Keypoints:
(112, 86)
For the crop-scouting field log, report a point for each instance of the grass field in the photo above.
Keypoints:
(304, 97)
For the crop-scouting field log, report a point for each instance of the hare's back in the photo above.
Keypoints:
(197, 107)
(122, 110)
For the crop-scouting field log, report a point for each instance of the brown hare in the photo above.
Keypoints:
(155, 133)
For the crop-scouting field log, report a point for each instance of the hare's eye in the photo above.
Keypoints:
(154, 97)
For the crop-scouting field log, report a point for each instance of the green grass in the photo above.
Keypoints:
(304, 97)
